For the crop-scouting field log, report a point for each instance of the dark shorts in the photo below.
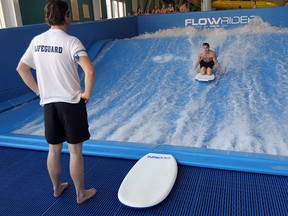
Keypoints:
(206, 64)
(66, 122)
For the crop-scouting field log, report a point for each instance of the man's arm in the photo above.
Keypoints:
(197, 61)
(26, 75)
(217, 63)
(90, 75)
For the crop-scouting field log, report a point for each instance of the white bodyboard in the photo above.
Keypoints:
(205, 77)
(149, 181)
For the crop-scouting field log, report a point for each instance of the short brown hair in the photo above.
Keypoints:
(206, 44)
(55, 12)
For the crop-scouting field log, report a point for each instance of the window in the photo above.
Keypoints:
(115, 8)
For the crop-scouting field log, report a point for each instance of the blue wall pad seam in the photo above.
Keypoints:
(18, 101)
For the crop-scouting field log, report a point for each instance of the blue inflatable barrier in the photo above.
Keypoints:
(96, 48)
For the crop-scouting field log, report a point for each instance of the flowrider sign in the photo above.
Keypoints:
(219, 22)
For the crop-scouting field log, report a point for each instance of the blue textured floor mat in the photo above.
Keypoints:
(26, 189)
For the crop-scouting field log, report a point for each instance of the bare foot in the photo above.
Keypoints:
(88, 194)
(58, 192)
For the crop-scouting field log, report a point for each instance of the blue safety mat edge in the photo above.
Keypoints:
(190, 156)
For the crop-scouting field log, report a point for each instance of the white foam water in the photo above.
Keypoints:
(146, 92)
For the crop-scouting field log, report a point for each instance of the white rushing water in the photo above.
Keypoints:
(146, 92)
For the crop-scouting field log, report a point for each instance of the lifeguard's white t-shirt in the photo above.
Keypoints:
(52, 54)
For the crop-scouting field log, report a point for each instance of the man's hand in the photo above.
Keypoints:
(85, 97)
